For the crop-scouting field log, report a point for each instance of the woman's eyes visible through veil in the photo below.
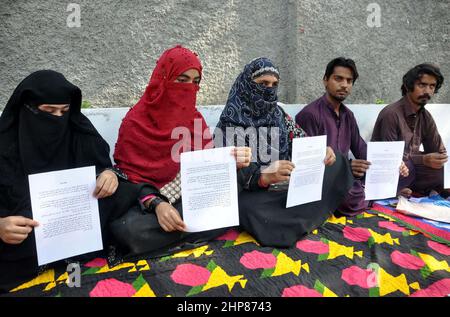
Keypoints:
(56, 110)
(269, 84)
(191, 76)
(267, 81)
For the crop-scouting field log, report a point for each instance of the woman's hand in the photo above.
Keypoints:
(330, 157)
(107, 184)
(243, 156)
(278, 171)
(169, 218)
(15, 229)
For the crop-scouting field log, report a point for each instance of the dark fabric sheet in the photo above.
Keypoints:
(264, 214)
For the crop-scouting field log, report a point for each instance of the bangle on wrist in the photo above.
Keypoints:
(154, 202)
(261, 183)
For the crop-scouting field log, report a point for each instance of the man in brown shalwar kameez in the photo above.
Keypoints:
(408, 120)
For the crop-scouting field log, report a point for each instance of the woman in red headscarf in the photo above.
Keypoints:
(149, 154)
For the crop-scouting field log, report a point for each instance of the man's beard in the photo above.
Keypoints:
(423, 100)
(339, 98)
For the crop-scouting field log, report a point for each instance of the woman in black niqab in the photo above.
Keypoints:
(35, 141)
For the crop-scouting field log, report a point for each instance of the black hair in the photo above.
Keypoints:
(417, 72)
(343, 62)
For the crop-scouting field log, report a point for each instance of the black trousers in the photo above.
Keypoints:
(264, 215)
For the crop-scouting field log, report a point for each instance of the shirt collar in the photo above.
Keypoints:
(342, 108)
(408, 108)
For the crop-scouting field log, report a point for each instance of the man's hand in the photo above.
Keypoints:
(359, 167)
(404, 170)
(169, 218)
(107, 184)
(15, 229)
(278, 171)
(330, 157)
(435, 160)
(243, 156)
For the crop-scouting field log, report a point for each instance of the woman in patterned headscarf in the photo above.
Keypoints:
(252, 117)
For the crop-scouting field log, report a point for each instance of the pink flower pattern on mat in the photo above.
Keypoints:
(356, 234)
(391, 226)
(258, 260)
(355, 275)
(407, 261)
(112, 288)
(438, 289)
(438, 247)
(316, 247)
(300, 291)
(230, 235)
(190, 275)
(98, 262)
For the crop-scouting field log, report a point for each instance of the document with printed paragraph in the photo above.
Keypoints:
(384, 171)
(209, 189)
(306, 182)
(63, 203)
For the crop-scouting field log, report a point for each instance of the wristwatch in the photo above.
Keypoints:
(154, 203)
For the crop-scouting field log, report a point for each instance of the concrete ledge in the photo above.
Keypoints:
(108, 120)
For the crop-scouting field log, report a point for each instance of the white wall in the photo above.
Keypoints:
(107, 121)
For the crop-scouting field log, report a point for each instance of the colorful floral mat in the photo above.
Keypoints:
(371, 255)
(437, 231)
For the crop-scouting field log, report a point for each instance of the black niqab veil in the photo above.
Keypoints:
(33, 141)
(44, 140)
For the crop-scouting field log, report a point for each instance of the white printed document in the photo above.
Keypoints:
(306, 182)
(209, 189)
(64, 205)
(384, 171)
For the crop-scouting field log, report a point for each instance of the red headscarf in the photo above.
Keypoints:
(144, 146)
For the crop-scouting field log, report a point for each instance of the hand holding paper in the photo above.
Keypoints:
(277, 172)
(15, 229)
(169, 218)
(242, 155)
